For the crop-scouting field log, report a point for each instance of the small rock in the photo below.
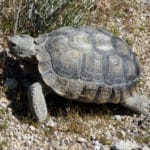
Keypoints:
(19, 137)
(105, 147)
(131, 10)
(125, 144)
(123, 133)
(51, 122)
(93, 137)
(118, 117)
(84, 146)
(60, 145)
(4, 103)
(81, 140)
(32, 128)
(9, 109)
(95, 145)
(28, 143)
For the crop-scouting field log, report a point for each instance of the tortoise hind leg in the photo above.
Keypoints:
(138, 103)
(37, 103)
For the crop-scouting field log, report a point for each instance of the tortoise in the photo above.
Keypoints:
(82, 63)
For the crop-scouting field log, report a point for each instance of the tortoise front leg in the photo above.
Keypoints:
(37, 103)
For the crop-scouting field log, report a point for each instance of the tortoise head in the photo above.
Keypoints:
(22, 46)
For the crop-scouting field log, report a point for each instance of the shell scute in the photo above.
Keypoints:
(86, 63)
(92, 67)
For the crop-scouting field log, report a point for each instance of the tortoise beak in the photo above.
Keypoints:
(11, 46)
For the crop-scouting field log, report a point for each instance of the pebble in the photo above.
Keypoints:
(4, 103)
(59, 145)
(123, 133)
(51, 122)
(32, 128)
(131, 9)
(97, 145)
(118, 117)
(105, 147)
(81, 140)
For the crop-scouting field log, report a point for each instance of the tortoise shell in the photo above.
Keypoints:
(87, 64)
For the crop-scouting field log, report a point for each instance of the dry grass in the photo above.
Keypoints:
(18, 17)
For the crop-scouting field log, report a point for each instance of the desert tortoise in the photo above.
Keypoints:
(80, 63)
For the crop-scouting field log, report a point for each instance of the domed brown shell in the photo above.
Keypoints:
(87, 64)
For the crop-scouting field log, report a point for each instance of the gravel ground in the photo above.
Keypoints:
(78, 126)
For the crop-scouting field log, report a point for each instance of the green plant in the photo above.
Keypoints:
(142, 139)
(3, 145)
(2, 111)
(103, 139)
(142, 28)
(34, 17)
(48, 131)
(115, 31)
(3, 125)
(130, 41)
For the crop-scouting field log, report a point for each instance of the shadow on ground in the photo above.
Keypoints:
(57, 106)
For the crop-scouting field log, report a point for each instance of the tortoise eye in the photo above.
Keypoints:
(35, 42)
(13, 44)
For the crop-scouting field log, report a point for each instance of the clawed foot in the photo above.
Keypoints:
(37, 102)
